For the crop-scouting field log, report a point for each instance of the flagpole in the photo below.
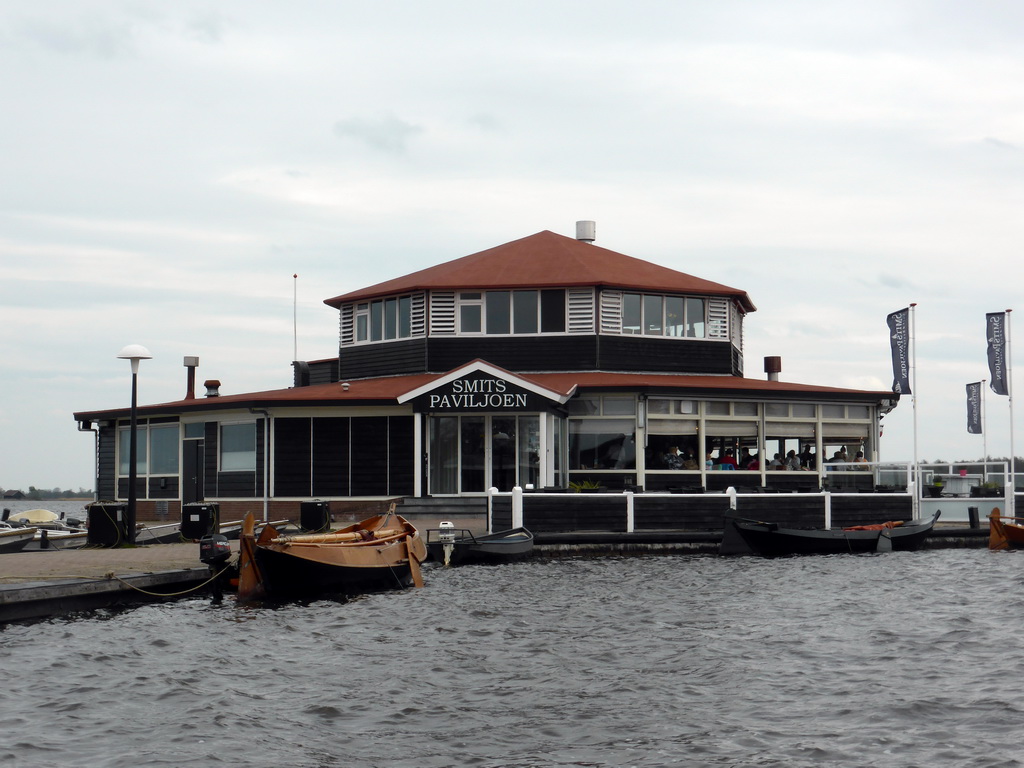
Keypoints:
(1009, 390)
(984, 435)
(295, 317)
(913, 391)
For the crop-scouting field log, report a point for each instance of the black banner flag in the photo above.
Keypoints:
(995, 328)
(974, 408)
(899, 341)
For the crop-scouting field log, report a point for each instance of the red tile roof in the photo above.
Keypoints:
(385, 391)
(547, 260)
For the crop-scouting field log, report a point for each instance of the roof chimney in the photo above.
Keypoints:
(191, 363)
(585, 231)
(773, 367)
(212, 387)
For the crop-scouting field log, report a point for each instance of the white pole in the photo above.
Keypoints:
(984, 435)
(1009, 390)
(295, 317)
(913, 396)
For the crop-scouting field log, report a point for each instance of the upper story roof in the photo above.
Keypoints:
(547, 260)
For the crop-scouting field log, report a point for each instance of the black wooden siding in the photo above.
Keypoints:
(330, 457)
(358, 456)
(540, 353)
(106, 467)
(660, 355)
(567, 512)
(292, 456)
(391, 358)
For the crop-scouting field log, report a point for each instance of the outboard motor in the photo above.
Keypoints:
(446, 536)
(214, 550)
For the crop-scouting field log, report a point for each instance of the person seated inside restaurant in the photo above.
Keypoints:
(744, 460)
(728, 461)
(755, 464)
(776, 462)
(793, 461)
(807, 457)
(673, 459)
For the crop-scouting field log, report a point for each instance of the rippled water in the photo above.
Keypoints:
(905, 659)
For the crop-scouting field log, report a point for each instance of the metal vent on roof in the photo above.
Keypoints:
(586, 231)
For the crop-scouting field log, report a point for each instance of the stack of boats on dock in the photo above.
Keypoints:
(40, 529)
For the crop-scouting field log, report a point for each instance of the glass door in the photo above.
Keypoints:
(469, 454)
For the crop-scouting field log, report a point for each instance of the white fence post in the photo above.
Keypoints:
(491, 493)
(828, 509)
(517, 507)
(630, 521)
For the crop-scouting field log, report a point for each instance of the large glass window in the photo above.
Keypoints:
(124, 450)
(238, 447)
(552, 311)
(156, 449)
(384, 319)
(656, 315)
(497, 312)
(471, 313)
(163, 444)
(653, 315)
(524, 311)
(602, 444)
(512, 312)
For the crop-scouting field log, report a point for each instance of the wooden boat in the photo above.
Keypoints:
(1003, 532)
(15, 539)
(381, 552)
(773, 540)
(454, 546)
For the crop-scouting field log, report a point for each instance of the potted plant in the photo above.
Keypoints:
(935, 489)
(988, 489)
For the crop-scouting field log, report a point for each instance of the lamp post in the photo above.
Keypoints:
(134, 353)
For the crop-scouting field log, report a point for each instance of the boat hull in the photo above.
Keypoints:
(15, 539)
(502, 547)
(772, 540)
(308, 565)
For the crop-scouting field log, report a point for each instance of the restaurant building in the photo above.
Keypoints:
(546, 363)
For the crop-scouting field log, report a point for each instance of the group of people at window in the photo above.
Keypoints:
(727, 459)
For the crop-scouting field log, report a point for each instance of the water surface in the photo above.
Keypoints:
(904, 659)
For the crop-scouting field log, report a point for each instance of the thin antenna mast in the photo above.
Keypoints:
(295, 317)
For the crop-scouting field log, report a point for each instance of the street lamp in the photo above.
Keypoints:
(133, 352)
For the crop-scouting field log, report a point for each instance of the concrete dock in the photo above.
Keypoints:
(41, 584)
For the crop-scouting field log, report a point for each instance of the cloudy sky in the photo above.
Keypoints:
(168, 167)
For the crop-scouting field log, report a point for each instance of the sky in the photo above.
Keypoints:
(169, 167)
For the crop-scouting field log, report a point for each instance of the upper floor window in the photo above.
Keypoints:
(384, 319)
(656, 315)
(512, 312)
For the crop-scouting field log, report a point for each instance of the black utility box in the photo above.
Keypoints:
(315, 516)
(107, 524)
(198, 520)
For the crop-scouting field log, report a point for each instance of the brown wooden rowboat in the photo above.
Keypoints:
(1003, 532)
(381, 552)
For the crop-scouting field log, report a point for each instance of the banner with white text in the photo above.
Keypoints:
(995, 329)
(974, 408)
(899, 341)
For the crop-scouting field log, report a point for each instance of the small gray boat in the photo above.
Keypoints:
(455, 546)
